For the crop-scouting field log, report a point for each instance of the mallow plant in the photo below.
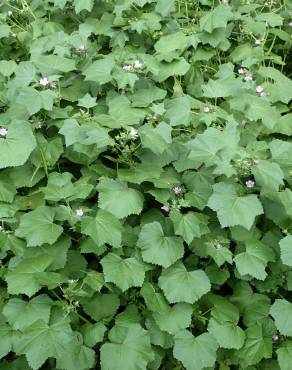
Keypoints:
(145, 184)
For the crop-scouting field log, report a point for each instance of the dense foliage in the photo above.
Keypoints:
(145, 184)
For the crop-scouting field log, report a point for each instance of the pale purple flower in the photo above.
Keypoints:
(79, 212)
(177, 189)
(249, 184)
(138, 64)
(259, 89)
(206, 109)
(275, 338)
(165, 208)
(134, 133)
(44, 81)
(127, 68)
(263, 93)
(248, 77)
(241, 71)
(3, 132)
(257, 42)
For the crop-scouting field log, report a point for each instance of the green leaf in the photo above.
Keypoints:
(216, 18)
(172, 42)
(286, 250)
(189, 225)
(201, 348)
(175, 318)
(117, 198)
(38, 228)
(21, 314)
(87, 101)
(177, 67)
(34, 100)
(231, 209)
(41, 341)
(16, 147)
(223, 326)
(254, 260)
(125, 273)
(157, 248)
(107, 304)
(53, 63)
(7, 192)
(129, 349)
(284, 355)
(268, 175)
(83, 5)
(24, 279)
(7, 340)
(104, 228)
(180, 285)
(156, 139)
(93, 333)
(256, 347)
(178, 111)
(165, 7)
(100, 70)
(281, 311)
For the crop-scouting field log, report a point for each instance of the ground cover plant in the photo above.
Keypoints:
(145, 184)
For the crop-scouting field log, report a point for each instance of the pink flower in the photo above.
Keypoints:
(165, 208)
(263, 93)
(275, 338)
(259, 89)
(249, 184)
(3, 132)
(248, 77)
(177, 189)
(206, 109)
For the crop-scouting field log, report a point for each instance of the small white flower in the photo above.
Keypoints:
(290, 24)
(225, 1)
(72, 281)
(39, 124)
(275, 338)
(263, 93)
(10, 12)
(138, 64)
(257, 42)
(53, 85)
(134, 133)
(177, 189)
(259, 89)
(44, 81)
(241, 71)
(165, 208)
(248, 77)
(206, 109)
(79, 212)
(76, 303)
(3, 132)
(218, 246)
(13, 34)
(243, 122)
(256, 161)
(127, 68)
(81, 47)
